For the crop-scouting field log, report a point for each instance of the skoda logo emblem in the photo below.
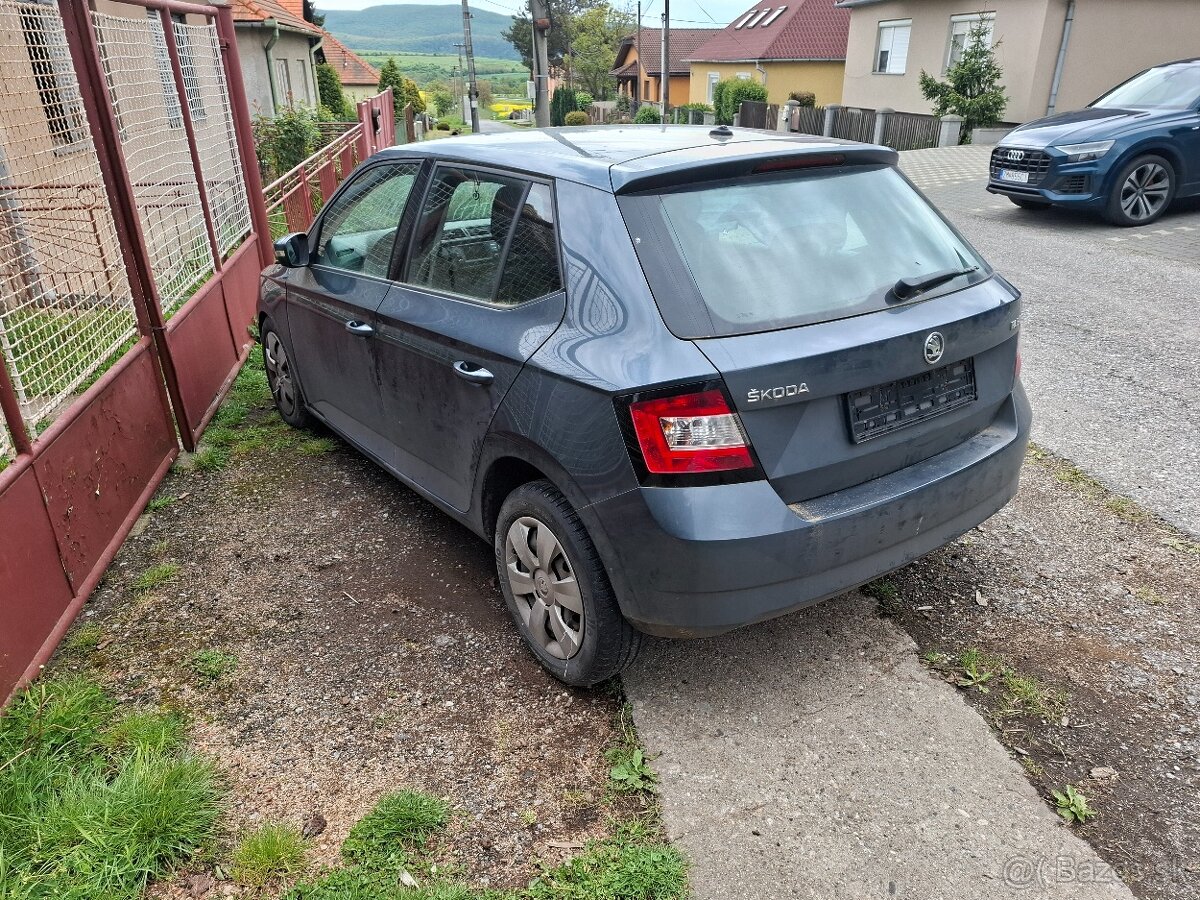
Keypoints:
(1015, 155)
(935, 345)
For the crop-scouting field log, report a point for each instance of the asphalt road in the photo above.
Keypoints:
(1111, 338)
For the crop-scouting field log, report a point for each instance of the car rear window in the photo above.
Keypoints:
(775, 251)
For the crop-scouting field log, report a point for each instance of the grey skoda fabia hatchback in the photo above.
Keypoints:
(683, 380)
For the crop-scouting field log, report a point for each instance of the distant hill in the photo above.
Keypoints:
(418, 28)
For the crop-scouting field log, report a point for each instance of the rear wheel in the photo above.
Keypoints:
(1143, 190)
(556, 588)
(1029, 203)
(281, 378)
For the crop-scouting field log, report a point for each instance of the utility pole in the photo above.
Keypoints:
(665, 91)
(472, 89)
(541, 62)
(637, 95)
(458, 80)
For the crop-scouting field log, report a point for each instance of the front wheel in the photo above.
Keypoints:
(1143, 190)
(281, 378)
(557, 590)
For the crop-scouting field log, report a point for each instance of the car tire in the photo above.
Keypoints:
(541, 546)
(1142, 191)
(1029, 203)
(281, 377)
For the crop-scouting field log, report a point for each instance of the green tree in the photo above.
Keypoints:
(562, 103)
(972, 88)
(329, 87)
(404, 90)
(442, 100)
(562, 28)
(595, 35)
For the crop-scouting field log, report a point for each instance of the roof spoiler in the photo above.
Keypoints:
(736, 159)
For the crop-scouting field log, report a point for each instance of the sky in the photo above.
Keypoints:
(684, 13)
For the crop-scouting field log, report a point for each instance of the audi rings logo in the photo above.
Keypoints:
(1014, 155)
(935, 346)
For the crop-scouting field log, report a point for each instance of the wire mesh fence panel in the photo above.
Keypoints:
(6, 447)
(66, 311)
(216, 141)
(148, 110)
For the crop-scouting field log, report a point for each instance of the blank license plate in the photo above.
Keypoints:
(1016, 177)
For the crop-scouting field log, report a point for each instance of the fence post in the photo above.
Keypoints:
(882, 118)
(11, 408)
(410, 129)
(244, 133)
(791, 111)
(831, 112)
(950, 131)
(118, 187)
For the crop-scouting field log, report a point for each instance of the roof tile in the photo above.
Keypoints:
(788, 29)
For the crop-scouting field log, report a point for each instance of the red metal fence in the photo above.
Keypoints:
(132, 233)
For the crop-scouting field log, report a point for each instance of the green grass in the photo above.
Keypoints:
(155, 577)
(399, 823)
(213, 664)
(56, 345)
(83, 639)
(1024, 694)
(162, 501)
(269, 854)
(616, 869)
(95, 801)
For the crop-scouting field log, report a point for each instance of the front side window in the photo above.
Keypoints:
(960, 34)
(358, 231)
(891, 48)
(1164, 87)
(822, 244)
(487, 237)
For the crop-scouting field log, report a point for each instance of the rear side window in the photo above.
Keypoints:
(766, 252)
(486, 236)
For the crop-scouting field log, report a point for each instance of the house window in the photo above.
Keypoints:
(713, 78)
(960, 33)
(284, 77)
(301, 79)
(53, 75)
(166, 75)
(891, 48)
(646, 89)
(743, 76)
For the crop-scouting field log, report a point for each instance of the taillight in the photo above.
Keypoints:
(694, 432)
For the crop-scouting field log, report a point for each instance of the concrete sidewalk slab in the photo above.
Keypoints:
(813, 756)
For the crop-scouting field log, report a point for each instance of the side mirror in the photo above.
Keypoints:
(291, 250)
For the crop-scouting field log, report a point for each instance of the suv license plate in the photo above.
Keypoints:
(1015, 177)
(898, 404)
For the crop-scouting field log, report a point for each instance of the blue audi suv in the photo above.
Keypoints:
(1128, 155)
(681, 380)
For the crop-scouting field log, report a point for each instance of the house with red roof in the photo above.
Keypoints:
(640, 79)
(277, 49)
(359, 79)
(792, 45)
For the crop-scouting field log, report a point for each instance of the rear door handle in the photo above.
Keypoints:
(362, 329)
(468, 371)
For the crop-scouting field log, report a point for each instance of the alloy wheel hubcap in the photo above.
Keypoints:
(544, 587)
(1145, 191)
(279, 374)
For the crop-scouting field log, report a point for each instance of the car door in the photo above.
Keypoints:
(481, 290)
(333, 300)
(1187, 136)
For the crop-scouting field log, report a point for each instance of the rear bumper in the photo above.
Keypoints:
(689, 562)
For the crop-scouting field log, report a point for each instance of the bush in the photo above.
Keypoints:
(804, 98)
(576, 117)
(443, 126)
(584, 101)
(623, 103)
(282, 143)
(648, 115)
(729, 94)
(561, 103)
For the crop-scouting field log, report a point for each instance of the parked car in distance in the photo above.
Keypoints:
(682, 380)
(1128, 155)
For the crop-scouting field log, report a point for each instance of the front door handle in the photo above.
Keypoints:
(468, 371)
(362, 329)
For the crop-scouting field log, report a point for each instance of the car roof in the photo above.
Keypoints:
(617, 157)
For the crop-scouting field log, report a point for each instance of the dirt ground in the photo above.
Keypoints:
(366, 648)
(361, 645)
(1083, 591)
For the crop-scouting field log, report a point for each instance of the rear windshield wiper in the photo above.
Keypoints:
(907, 288)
